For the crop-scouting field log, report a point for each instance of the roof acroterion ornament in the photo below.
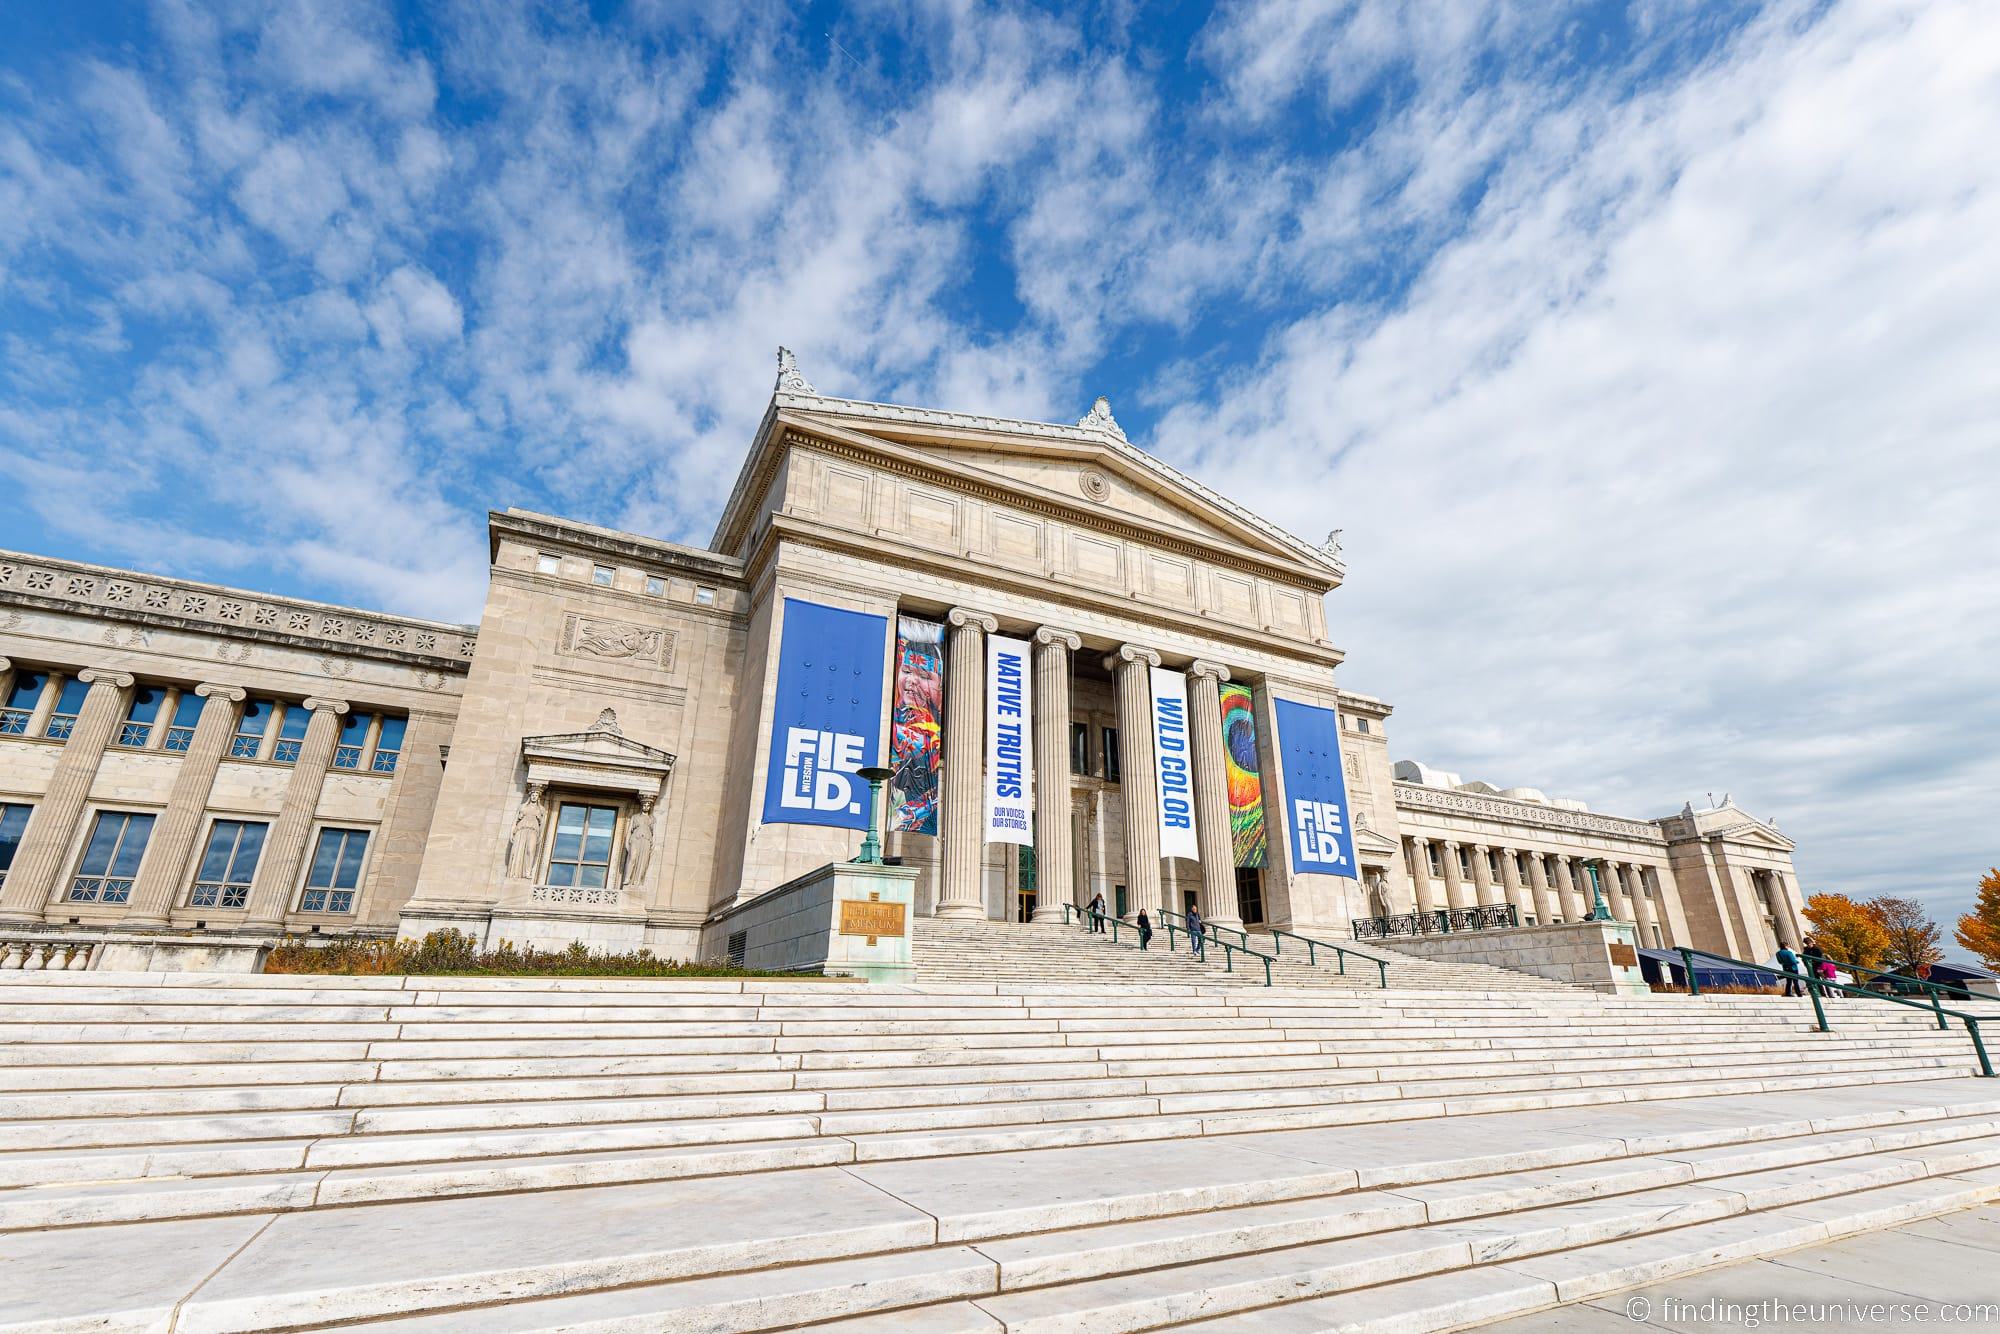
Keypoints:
(789, 379)
(1100, 419)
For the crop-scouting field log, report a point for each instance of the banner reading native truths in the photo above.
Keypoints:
(916, 726)
(826, 717)
(1173, 768)
(1010, 760)
(1315, 788)
(1247, 836)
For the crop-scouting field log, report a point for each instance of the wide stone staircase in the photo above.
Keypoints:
(214, 1153)
(946, 950)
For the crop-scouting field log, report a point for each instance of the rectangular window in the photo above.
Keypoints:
(389, 744)
(335, 871)
(705, 596)
(602, 575)
(13, 820)
(1362, 723)
(292, 734)
(21, 702)
(69, 703)
(111, 858)
(1112, 771)
(655, 585)
(548, 564)
(1079, 748)
(144, 711)
(1431, 854)
(353, 739)
(187, 712)
(223, 879)
(581, 855)
(248, 743)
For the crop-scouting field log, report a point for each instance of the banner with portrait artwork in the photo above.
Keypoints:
(1010, 755)
(1248, 838)
(1315, 789)
(916, 726)
(1173, 767)
(826, 717)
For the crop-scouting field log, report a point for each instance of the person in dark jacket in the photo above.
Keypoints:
(1197, 933)
(1145, 929)
(1790, 963)
(1097, 913)
(1810, 958)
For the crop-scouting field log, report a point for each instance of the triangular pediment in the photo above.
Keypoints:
(602, 745)
(1367, 841)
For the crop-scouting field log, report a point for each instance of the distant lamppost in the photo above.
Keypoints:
(871, 846)
(1600, 911)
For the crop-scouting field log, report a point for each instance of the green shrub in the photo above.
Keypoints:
(454, 953)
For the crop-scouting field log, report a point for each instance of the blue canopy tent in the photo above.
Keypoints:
(1665, 968)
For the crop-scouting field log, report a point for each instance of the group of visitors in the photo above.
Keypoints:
(1197, 929)
(1811, 961)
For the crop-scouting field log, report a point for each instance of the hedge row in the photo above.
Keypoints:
(451, 952)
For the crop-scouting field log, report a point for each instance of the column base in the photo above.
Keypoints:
(962, 912)
(1053, 913)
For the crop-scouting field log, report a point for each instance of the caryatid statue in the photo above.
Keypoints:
(638, 847)
(524, 848)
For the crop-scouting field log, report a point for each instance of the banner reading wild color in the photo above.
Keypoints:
(916, 726)
(1173, 765)
(1247, 836)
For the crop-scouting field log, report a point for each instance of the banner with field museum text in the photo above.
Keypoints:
(1010, 756)
(1174, 765)
(1315, 789)
(916, 726)
(826, 717)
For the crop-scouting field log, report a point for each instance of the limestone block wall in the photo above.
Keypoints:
(1577, 953)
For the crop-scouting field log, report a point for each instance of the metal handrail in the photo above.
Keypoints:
(1921, 983)
(1313, 947)
(1229, 951)
(1814, 985)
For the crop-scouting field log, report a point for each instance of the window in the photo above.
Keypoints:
(187, 712)
(21, 702)
(546, 563)
(248, 742)
(1436, 863)
(602, 575)
(1362, 723)
(581, 854)
(335, 871)
(13, 820)
(223, 879)
(656, 586)
(389, 744)
(69, 703)
(353, 739)
(292, 735)
(1079, 748)
(1112, 771)
(111, 858)
(705, 596)
(141, 715)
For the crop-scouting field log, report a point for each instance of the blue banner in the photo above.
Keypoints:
(1315, 789)
(826, 719)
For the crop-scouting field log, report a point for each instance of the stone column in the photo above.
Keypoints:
(1417, 853)
(1642, 907)
(1510, 879)
(1454, 884)
(45, 843)
(1055, 869)
(285, 846)
(1568, 885)
(1484, 889)
(1211, 794)
(1138, 784)
(179, 824)
(1547, 908)
(1783, 911)
(961, 894)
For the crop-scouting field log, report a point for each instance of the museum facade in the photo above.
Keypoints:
(1087, 674)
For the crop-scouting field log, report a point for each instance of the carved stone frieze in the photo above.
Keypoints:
(1412, 796)
(615, 641)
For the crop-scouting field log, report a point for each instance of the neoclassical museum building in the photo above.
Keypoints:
(1088, 673)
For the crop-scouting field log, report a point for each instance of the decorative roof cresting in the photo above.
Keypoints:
(1100, 419)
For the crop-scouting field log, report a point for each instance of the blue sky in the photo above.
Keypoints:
(1645, 352)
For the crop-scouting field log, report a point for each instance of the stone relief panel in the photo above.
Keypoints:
(1013, 538)
(932, 516)
(1232, 597)
(605, 640)
(1288, 611)
(1413, 797)
(1170, 579)
(1096, 561)
(847, 493)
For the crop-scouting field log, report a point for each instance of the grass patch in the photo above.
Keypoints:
(451, 953)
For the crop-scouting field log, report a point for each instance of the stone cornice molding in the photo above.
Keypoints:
(110, 676)
(1203, 667)
(333, 706)
(180, 604)
(961, 617)
(6, 664)
(213, 690)
(1414, 796)
(1050, 636)
(554, 530)
(1131, 653)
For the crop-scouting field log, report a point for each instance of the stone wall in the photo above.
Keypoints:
(1578, 953)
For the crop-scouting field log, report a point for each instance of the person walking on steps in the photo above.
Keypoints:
(1197, 933)
(1810, 956)
(1097, 913)
(1790, 963)
(1145, 929)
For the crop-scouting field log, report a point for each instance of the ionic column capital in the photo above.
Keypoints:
(215, 690)
(962, 618)
(110, 676)
(1481, 847)
(1449, 842)
(333, 706)
(1203, 667)
(1050, 636)
(1128, 654)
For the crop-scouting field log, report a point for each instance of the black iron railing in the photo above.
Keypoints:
(1437, 922)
